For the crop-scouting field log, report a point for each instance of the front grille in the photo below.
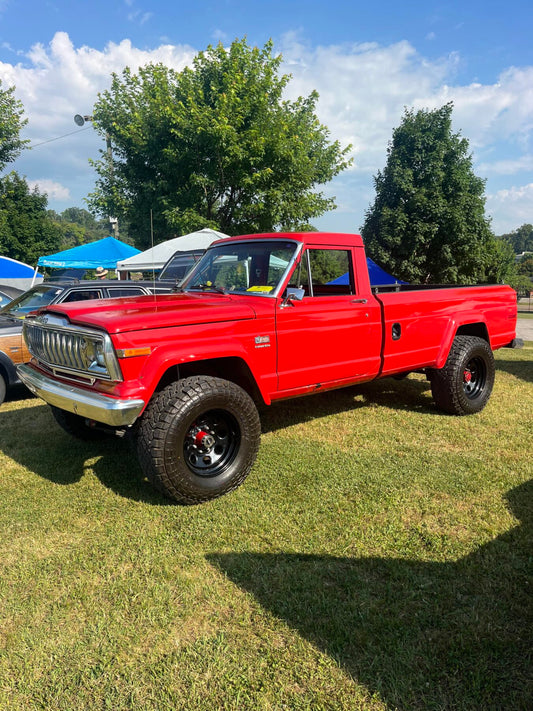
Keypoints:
(56, 348)
(71, 350)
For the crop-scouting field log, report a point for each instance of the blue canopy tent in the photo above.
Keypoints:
(17, 274)
(378, 276)
(103, 253)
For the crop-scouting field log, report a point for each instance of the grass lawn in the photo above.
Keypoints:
(378, 557)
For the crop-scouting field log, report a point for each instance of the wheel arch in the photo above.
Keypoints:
(478, 329)
(8, 370)
(473, 328)
(231, 368)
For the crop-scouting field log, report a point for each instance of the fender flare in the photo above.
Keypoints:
(468, 326)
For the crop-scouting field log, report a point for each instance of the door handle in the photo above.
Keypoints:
(359, 301)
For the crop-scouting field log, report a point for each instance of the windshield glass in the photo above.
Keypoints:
(246, 267)
(31, 300)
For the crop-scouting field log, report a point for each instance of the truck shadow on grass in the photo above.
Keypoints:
(31, 437)
(454, 635)
(520, 369)
(408, 395)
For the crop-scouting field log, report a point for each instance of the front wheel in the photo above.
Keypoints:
(463, 386)
(198, 438)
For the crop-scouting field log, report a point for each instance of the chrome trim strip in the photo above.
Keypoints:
(93, 406)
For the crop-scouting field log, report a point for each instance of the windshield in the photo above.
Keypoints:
(31, 300)
(242, 267)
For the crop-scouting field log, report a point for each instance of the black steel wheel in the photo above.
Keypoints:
(464, 385)
(198, 438)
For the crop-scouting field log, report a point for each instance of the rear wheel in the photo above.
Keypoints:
(198, 438)
(463, 386)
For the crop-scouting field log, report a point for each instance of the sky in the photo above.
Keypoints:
(368, 61)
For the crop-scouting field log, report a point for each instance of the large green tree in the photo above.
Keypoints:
(214, 145)
(26, 230)
(11, 123)
(428, 223)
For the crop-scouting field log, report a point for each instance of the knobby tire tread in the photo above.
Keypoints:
(159, 419)
(446, 384)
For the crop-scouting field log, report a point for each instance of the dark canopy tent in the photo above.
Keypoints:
(103, 253)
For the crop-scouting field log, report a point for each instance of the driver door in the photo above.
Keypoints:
(332, 334)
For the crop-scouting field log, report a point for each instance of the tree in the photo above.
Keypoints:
(525, 266)
(214, 145)
(427, 223)
(11, 123)
(26, 230)
(520, 239)
(77, 226)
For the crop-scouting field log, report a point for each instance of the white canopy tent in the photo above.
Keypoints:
(156, 257)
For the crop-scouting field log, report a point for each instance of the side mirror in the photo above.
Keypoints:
(293, 294)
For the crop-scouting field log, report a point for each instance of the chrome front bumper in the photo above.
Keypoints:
(93, 406)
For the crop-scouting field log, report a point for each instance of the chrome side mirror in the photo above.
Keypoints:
(293, 294)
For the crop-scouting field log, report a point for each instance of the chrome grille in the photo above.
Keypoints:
(71, 350)
(57, 348)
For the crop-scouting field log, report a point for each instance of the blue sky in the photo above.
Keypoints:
(367, 61)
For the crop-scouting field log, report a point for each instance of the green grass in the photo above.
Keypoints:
(379, 556)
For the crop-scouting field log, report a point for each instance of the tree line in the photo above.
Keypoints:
(216, 145)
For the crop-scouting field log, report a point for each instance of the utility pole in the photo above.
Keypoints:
(80, 120)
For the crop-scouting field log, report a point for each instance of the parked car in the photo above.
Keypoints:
(12, 347)
(8, 293)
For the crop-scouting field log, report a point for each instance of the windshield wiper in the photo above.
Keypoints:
(207, 286)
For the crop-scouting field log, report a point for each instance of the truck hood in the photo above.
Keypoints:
(157, 311)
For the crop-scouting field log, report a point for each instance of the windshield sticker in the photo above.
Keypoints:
(261, 289)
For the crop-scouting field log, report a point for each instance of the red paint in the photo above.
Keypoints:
(319, 343)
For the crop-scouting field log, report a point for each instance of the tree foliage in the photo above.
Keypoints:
(26, 230)
(427, 223)
(521, 239)
(214, 145)
(11, 123)
(78, 226)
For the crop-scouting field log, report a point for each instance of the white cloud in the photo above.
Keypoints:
(59, 80)
(55, 191)
(363, 89)
(506, 166)
(511, 208)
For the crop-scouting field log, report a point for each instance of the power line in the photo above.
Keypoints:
(35, 145)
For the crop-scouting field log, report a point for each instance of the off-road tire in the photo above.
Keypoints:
(76, 425)
(463, 386)
(198, 439)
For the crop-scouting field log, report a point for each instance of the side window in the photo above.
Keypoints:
(125, 291)
(82, 295)
(330, 272)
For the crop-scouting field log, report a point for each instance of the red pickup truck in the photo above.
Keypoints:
(259, 318)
